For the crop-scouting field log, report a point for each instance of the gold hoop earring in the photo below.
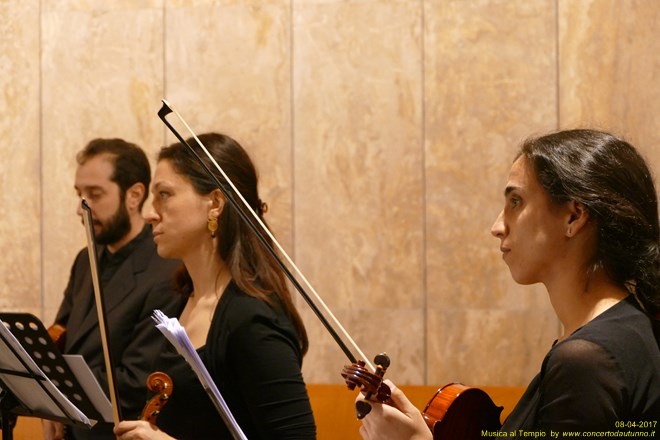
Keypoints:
(212, 225)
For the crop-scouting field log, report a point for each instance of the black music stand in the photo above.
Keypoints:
(35, 379)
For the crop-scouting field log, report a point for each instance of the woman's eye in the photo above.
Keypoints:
(515, 201)
(163, 194)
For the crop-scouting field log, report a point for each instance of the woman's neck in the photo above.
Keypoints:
(208, 272)
(580, 297)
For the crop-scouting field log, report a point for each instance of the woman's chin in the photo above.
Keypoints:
(163, 252)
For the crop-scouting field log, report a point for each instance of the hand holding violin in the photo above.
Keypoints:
(146, 428)
(139, 430)
(399, 420)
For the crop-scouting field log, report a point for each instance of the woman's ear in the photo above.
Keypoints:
(578, 216)
(217, 200)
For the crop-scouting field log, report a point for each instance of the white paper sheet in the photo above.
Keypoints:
(90, 385)
(176, 334)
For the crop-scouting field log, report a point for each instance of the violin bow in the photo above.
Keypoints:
(258, 227)
(100, 309)
(361, 373)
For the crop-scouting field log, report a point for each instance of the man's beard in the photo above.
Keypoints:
(116, 228)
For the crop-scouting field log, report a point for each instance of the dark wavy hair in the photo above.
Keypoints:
(252, 268)
(131, 165)
(611, 179)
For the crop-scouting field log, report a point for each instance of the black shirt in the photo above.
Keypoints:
(253, 355)
(603, 377)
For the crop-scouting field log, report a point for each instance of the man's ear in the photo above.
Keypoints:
(578, 216)
(134, 196)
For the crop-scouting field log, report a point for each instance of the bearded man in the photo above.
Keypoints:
(113, 176)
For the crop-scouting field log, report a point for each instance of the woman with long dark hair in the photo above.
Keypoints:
(239, 313)
(581, 217)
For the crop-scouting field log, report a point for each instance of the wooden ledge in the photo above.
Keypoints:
(333, 409)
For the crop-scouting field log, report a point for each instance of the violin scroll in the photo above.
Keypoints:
(370, 384)
(162, 385)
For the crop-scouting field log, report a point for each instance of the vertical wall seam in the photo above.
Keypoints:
(164, 67)
(557, 65)
(424, 226)
(40, 185)
(292, 128)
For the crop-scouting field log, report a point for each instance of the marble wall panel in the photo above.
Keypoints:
(228, 69)
(489, 82)
(20, 199)
(358, 182)
(102, 76)
(609, 68)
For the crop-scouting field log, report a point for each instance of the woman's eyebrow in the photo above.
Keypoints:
(158, 185)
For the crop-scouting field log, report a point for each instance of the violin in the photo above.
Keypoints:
(460, 411)
(162, 385)
(455, 411)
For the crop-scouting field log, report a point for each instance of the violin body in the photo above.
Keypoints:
(460, 412)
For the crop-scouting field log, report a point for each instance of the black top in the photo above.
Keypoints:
(253, 355)
(603, 377)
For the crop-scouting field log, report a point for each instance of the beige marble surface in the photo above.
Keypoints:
(610, 67)
(237, 56)
(359, 179)
(20, 179)
(485, 90)
(383, 132)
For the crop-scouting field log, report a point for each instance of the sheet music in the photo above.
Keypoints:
(90, 385)
(176, 334)
(29, 390)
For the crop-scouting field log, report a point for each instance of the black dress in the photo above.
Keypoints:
(253, 355)
(604, 377)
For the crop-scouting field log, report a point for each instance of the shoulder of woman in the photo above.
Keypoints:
(241, 307)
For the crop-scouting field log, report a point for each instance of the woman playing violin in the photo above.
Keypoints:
(239, 312)
(580, 216)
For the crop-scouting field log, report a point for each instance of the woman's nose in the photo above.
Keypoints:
(151, 216)
(497, 230)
